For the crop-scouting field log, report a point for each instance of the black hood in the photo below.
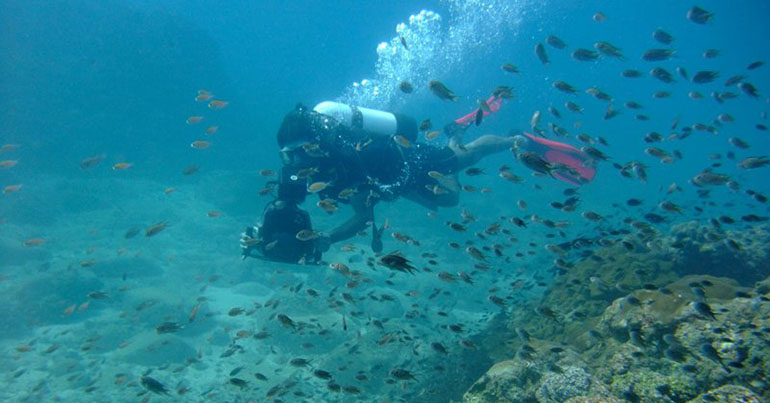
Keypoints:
(298, 127)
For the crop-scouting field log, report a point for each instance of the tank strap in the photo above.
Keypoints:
(357, 120)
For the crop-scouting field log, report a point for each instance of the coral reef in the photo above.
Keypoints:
(558, 387)
(727, 394)
(712, 249)
(623, 325)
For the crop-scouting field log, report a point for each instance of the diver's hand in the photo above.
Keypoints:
(377, 238)
(249, 241)
(323, 243)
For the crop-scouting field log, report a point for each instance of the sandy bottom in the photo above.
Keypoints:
(63, 345)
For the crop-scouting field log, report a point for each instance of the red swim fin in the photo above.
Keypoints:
(579, 168)
(493, 102)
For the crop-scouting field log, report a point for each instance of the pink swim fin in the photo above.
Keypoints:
(493, 103)
(578, 166)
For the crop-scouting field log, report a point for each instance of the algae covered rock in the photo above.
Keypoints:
(659, 322)
(716, 250)
(506, 381)
(733, 345)
(727, 394)
(558, 387)
(645, 385)
(648, 313)
(580, 296)
(594, 399)
(549, 375)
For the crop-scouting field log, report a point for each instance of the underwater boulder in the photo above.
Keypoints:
(706, 249)
(736, 337)
(582, 294)
(550, 374)
(651, 313)
(727, 394)
(506, 381)
(558, 387)
(593, 399)
(645, 385)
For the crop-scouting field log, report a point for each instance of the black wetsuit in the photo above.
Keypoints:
(379, 164)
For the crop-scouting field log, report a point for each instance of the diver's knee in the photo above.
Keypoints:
(520, 142)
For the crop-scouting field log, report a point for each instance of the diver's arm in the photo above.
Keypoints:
(363, 213)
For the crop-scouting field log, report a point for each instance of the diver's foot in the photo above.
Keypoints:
(455, 143)
(455, 133)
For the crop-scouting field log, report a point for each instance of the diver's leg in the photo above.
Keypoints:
(483, 146)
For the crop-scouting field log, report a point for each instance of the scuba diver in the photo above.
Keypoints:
(360, 156)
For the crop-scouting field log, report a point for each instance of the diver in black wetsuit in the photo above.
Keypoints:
(355, 156)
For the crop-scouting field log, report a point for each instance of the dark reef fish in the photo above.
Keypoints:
(609, 50)
(555, 112)
(168, 327)
(402, 374)
(699, 15)
(662, 36)
(131, 232)
(654, 218)
(677, 354)
(321, 374)
(564, 87)
(749, 89)
(703, 309)
(155, 229)
(662, 74)
(594, 153)
(439, 348)
(711, 53)
(734, 80)
(555, 41)
(509, 68)
(573, 107)
(754, 162)
(442, 91)
(708, 351)
(153, 385)
(599, 94)
(395, 261)
(541, 55)
(239, 382)
(547, 312)
(631, 73)
(285, 320)
(708, 178)
(299, 362)
(657, 55)
(585, 55)
(535, 162)
(703, 77)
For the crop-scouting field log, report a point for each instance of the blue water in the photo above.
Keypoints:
(116, 80)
